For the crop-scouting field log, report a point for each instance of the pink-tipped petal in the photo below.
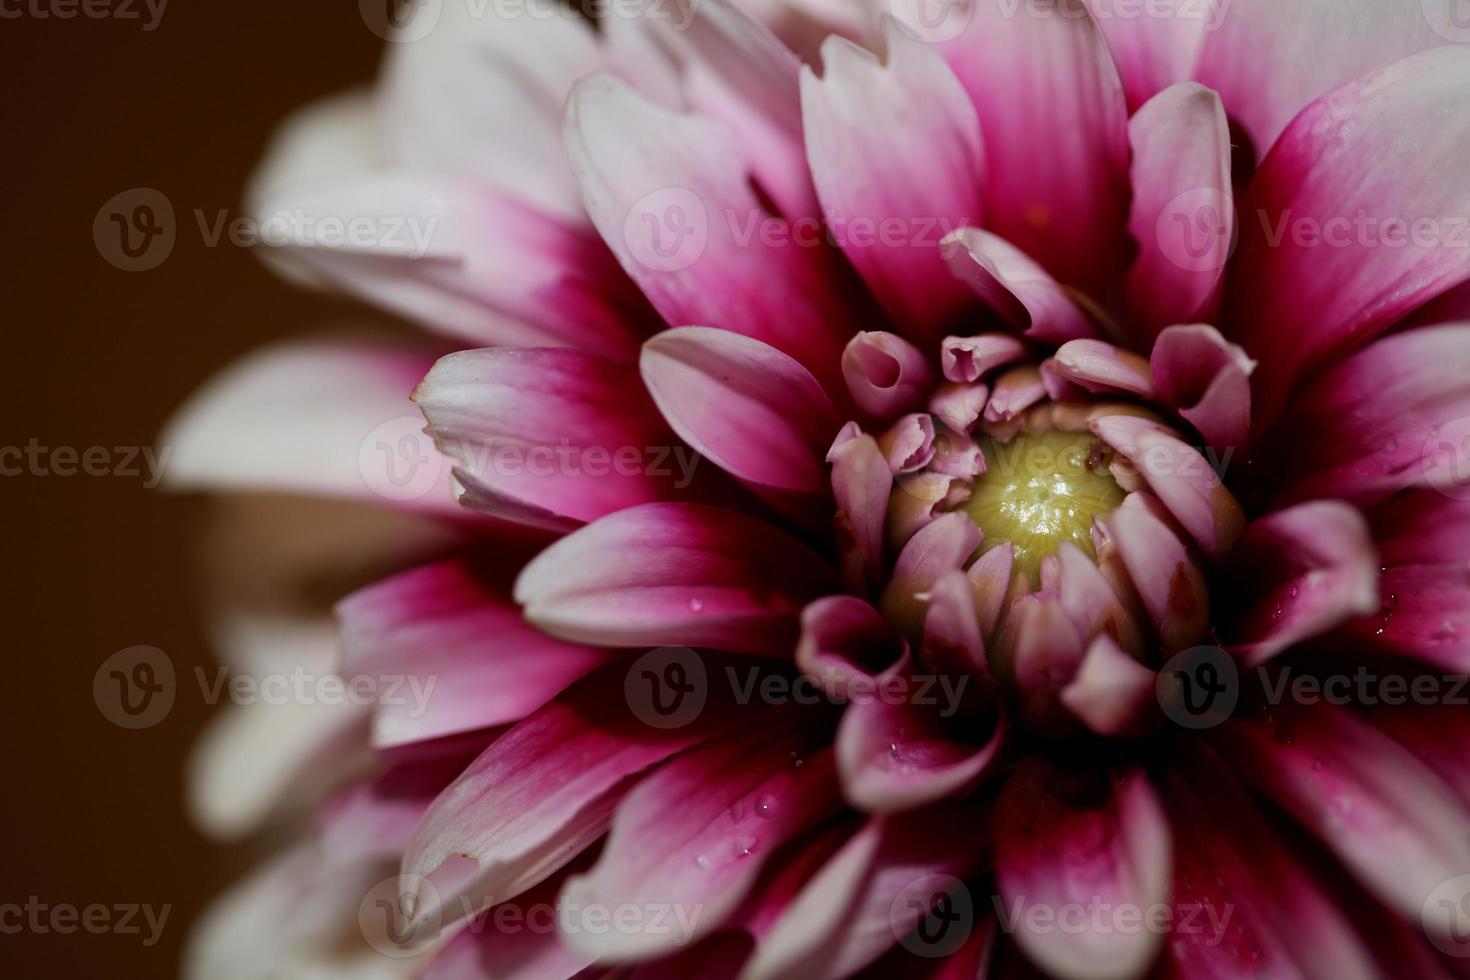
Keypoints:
(551, 429)
(1183, 211)
(895, 151)
(679, 574)
(463, 657)
(885, 373)
(1016, 287)
(846, 643)
(1357, 217)
(862, 483)
(1305, 570)
(1112, 693)
(693, 836)
(1062, 844)
(941, 546)
(1101, 368)
(1206, 379)
(1156, 48)
(750, 409)
(1386, 815)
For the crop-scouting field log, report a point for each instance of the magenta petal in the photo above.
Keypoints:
(1016, 287)
(1425, 614)
(1183, 211)
(954, 640)
(692, 837)
(885, 373)
(1102, 368)
(467, 658)
(862, 483)
(895, 151)
(1206, 379)
(845, 643)
(552, 430)
(1386, 815)
(880, 884)
(375, 820)
(1063, 846)
(1165, 574)
(1391, 416)
(894, 754)
(972, 358)
(539, 795)
(944, 544)
(513, 941)
(752, 410)
(679, 574)
(1062, 201)
(1181, 478)
(1111, 692)
(672, 197)
(1305, 570)
(1157, 48)
(1357, 219)
(1251, 907)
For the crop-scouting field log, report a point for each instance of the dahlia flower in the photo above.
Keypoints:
(940, 491)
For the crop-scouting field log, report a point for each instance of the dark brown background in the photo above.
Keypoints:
(98, 357)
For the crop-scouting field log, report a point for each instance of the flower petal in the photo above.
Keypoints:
(862, 483)
(1356, 218)
(1183, 212)
(1111, 692)
(692, 837)
(679, 574)
(1304, 571)
(1171, 586)
(747, 407)
(1157, 48)
(1061, 843)
(1019, 290)
(895, 144)
(470, 661)
(1099, 367)
(1206, 379)
(846, 642)
(885, 374)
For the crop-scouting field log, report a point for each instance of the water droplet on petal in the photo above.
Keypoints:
(696, 605)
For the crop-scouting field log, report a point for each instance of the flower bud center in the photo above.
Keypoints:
(1040, 489)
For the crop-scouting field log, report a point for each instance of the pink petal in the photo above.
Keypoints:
(939, 547)
(1243, 904)
(375, 820)
(672, 198)
(1207, 380)
(693, 836)
(862, 482)
(679, 574)
(1091, 602)
(958, 405)
(954, 640)
(895, 151)
(1304, 571)
(1101, 368)
(558, 430)
(878, 886)
(845, 642)
(972, 358)
(747, 407)
(1014, 392)
(908, 445)
(1040, 650)
(1157, 47)
(516, 940)
(1183, 212)
(1064, 202)
(466, 657)
(1016, 287)
(991, 576)
(1354, 218)
(1386, 816)
(1251, 47)
(885, 374)
(1063, 843)
(895, 754)
(1183, 480)
(1111, 692)
(313, 417)
(1425, 614)
(540, 794)
(1166, 576)
(1391, 416)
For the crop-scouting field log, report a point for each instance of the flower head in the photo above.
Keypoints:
(923, 488)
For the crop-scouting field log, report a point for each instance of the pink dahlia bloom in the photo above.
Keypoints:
(973, 491)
